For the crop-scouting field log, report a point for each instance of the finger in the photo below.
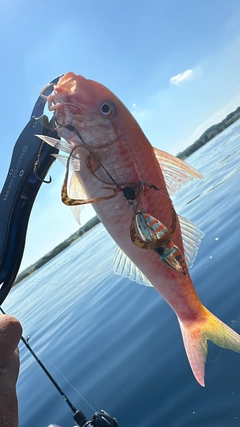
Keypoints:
(10, 334)
(8, 397)
(12, 367)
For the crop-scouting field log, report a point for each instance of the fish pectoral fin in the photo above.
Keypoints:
(123, 266)
(192, 236)
(195, 335)
(175, 171)
(60, 144)
(74, 163)
(76, 191)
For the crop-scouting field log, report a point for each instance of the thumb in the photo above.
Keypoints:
(10, 334)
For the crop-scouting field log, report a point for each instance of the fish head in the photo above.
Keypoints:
(89, 107)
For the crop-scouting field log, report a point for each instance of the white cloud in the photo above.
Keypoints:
(175, 80)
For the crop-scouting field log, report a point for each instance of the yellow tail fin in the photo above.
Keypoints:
(195, 335)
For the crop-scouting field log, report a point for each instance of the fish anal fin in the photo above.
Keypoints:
(195, 335)
(175, 171)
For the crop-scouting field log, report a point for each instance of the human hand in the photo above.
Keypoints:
(10, 334)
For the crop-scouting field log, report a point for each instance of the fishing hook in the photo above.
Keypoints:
(36, 166)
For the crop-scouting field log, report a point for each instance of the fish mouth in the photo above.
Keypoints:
(61, 97)
(53, 105)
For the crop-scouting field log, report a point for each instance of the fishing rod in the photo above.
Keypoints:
(99, 419)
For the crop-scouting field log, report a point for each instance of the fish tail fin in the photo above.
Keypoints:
(195, 335)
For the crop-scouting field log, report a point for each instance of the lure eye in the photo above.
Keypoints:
(108, 109)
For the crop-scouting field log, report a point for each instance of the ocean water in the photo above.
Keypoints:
(115, 345)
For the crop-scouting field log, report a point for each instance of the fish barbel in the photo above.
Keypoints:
(115, 167)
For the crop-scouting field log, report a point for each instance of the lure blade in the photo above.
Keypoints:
(172, 256)
(151, 229)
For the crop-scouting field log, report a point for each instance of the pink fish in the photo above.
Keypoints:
(116, 168)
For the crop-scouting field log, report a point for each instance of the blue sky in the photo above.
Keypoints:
(175, 65)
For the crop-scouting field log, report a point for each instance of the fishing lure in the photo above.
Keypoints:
(146, 231)
(157, 237)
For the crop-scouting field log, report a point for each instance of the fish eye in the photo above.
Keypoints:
(105, 108)
(108, 109)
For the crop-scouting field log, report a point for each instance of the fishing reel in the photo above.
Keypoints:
(102, 419)
(99, 419)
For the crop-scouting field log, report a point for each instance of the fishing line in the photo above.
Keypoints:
(146, 232)
(128, 192)
(73, 129)
(74, 388)
(69, 403)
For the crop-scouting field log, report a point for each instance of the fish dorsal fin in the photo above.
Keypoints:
(76, 191)
(175, 171)
(192, 236)
(123, 266)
